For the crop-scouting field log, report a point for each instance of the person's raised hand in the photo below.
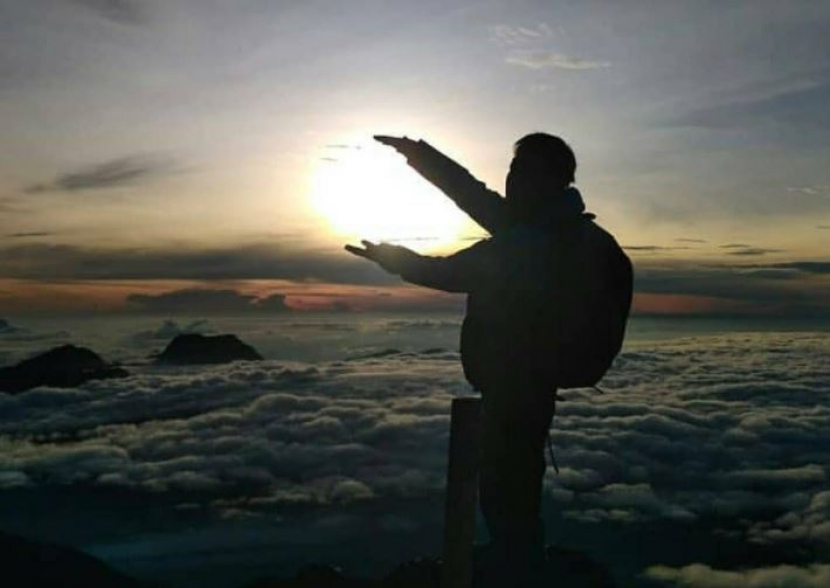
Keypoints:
(403, 145)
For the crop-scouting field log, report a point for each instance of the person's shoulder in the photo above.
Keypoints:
(603, 242)
(598, 232)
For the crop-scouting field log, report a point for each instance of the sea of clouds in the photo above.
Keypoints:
(732, 427)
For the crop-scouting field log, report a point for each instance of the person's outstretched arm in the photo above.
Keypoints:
(463, 271)
(484, 206)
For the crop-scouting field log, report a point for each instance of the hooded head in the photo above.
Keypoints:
(543, 167)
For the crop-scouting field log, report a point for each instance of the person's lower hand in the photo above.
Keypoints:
(389, 257)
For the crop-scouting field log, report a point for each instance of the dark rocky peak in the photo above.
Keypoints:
(194, 348)
(65, 366)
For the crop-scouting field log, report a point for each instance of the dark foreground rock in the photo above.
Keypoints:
(25, 563)
(315, 576)
(193, 348)
(66, 366)
(563, 567)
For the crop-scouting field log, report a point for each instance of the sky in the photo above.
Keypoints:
(221, 151)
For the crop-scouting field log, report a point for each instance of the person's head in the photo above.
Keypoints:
(543, 166)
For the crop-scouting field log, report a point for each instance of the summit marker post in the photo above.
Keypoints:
(462, 493)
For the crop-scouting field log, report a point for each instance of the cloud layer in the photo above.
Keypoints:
(206, 300)
(703, 576)
(733, 427)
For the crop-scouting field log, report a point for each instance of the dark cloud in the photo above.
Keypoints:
(652, 248)
(28, 235)
(749, 251)
(198, 301)
(191, 300)
(129, 12)
(810, 267)
(783, 287)
(745, 249)
(109, 174)
(272, 303)
(823, 227)
(272, 260)
(775, 288)
(687, 240)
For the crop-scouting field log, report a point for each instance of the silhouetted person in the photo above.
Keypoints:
(524, 285)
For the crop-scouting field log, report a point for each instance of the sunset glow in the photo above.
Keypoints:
(364, 191)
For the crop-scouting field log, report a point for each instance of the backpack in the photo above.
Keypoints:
(558, 313)
(589, 316)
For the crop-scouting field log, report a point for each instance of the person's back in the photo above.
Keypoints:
(544, 286)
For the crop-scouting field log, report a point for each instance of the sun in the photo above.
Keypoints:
(366, 191)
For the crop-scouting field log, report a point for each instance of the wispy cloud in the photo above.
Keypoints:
(810, 190)
(547, 59)
(511, 35)
(109, 174)
(129, 12)
(687, 240)
(802, 107)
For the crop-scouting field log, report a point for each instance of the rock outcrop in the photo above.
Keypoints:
(193, 348)
(66, 366)
(27, 563)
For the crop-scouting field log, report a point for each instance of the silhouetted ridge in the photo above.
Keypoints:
(66, 366)
(27, 563)
(193, 348)
(563, 567)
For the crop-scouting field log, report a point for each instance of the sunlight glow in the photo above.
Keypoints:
(366, 191)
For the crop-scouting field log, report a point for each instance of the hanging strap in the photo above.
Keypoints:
(552, 457)
(550, 443)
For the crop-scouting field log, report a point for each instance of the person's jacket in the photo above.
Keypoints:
(513, 279)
